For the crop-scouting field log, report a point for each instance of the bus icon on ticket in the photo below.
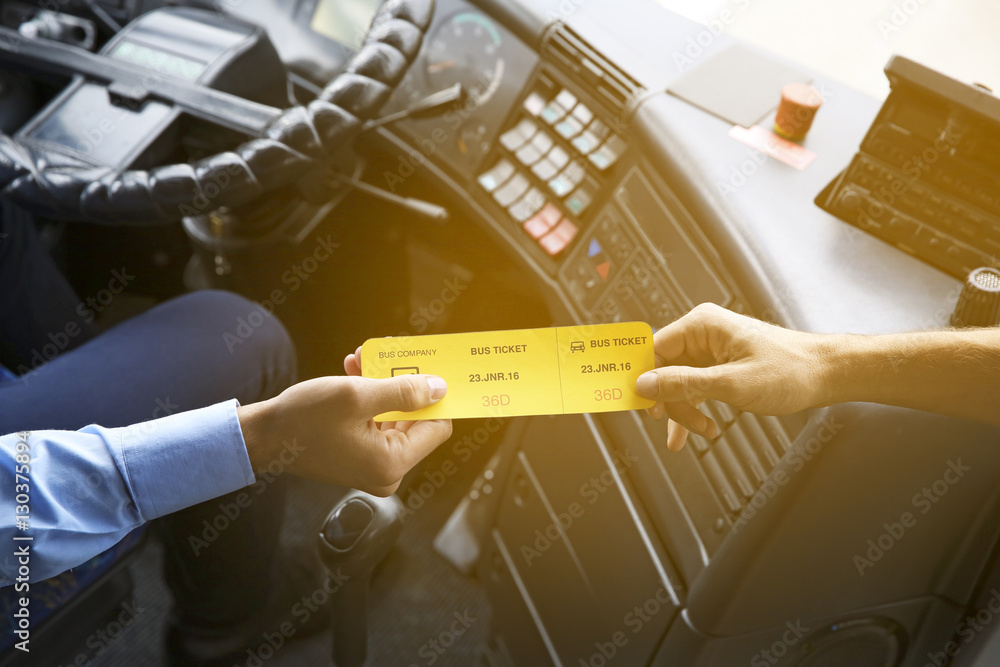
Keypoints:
(405, 370)
(576, 346)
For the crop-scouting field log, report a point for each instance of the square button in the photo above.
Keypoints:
(561, 185)
(543, 221)
(616, 145)
(515, 137)
(566, 99)
(561, 236)
(598, 129)
(551, 214)
(534, 103)
(569, 127)
(608, 153)
(583, 114)
(552, 244)
(558, 157)
(579, 201)
(527, 206)
(543, 142)
(566, 229)
(552, 113)
(536, 198)
(585, 142)
(574, 173)
(528, 154)
(544, 169)
(501, 171)
(601, 159)
(512, 190)
(536, 228)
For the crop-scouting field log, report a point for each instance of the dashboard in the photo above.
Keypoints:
(607, 187)
(571, 152)
(575, 157)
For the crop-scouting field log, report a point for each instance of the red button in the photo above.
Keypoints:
(566, 229)
(551, 214)
(556, 241)
(536, 227)
(539, 224)
(553, 244)
(602, 270)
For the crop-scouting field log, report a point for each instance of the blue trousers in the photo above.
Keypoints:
(172, 358)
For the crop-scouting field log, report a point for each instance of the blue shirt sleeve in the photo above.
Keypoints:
(88, 489)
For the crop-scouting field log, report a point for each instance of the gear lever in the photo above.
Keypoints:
(357, 534)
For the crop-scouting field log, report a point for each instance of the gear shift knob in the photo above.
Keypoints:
(357, 534)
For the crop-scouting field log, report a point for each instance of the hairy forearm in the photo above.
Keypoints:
(950, 372)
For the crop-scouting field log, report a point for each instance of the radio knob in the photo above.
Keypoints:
(850, 200)
(979, 303)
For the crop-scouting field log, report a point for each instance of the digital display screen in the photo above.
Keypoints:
(344, 21)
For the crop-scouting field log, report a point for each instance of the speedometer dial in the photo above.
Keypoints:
(466, 49)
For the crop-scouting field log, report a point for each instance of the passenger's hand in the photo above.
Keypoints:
(330, 421)
(714, 353)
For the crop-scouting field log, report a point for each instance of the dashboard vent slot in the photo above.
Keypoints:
(590, 69)
(738, 462)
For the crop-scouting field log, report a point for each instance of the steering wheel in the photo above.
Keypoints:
(299, 140)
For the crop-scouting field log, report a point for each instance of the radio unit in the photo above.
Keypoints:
(927, 175)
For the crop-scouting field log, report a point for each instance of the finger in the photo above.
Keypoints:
(692, 419)
(656, 412)
(404, 427)
(405, 393)
(671, 384)
(676, 436)
(420, 439)
(689, 339)
(401, 426)
(670, 341)
(352, 363)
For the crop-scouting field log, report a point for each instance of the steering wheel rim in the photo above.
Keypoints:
(299, 140)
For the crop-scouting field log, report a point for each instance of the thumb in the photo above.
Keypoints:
(405, 393)
(674, 384)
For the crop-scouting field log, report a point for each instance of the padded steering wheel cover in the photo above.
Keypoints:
(292, 145)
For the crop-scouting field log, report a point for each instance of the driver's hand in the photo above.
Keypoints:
(715, 353)
(335, 440)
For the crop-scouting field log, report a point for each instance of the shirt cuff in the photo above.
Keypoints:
(184, 459)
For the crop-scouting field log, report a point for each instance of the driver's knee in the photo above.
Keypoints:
(239, 339)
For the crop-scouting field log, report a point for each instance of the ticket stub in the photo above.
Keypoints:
(559, 370)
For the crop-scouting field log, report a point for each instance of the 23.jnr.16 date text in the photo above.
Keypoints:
(494, 377)
(606, 368)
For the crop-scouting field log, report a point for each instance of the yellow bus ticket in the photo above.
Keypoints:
(558, 370)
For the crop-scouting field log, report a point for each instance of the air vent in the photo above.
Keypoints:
(740, 459)
(591, 70)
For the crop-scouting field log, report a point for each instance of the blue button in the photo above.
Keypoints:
(594, 249)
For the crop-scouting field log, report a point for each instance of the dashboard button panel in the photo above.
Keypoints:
(548, 165)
